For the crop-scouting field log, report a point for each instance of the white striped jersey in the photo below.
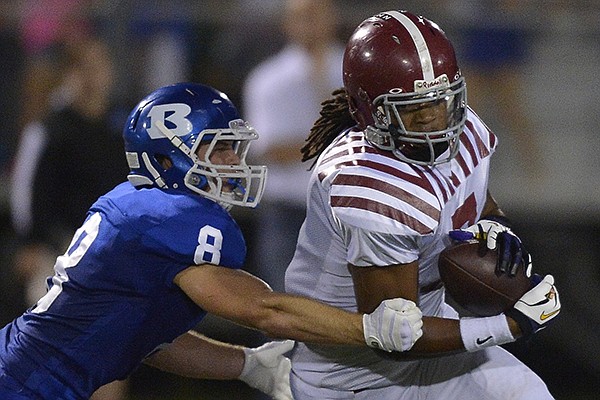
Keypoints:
(367, 208)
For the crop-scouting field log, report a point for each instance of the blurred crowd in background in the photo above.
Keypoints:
(72, 69)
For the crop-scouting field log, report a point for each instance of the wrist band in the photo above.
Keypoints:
(479, 333)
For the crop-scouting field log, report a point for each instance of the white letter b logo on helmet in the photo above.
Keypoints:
(175, 113)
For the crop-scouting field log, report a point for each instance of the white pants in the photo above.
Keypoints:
(490, 374)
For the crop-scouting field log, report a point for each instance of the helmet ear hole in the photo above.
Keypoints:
(164, 161)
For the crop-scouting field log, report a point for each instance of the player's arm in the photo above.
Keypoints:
(187, 356)
(195, 356)
(374, 284)
(246, 300)
(441, 335)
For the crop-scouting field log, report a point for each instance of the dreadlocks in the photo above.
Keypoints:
(335, 117)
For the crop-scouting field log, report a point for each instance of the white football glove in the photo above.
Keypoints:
(395, 325)
(268, 370)
(497, 235)
(537, 307)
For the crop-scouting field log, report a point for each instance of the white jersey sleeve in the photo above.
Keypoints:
(368, 248)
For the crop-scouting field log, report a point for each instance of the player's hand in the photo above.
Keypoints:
(394, 326)
(268, 370)
(537, 307)
(496, 235)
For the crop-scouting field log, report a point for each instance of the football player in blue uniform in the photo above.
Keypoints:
(157, 253)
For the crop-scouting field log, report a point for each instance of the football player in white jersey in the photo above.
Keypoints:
(159, 252)
(403, 161)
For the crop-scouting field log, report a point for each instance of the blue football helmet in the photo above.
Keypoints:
(162, 136)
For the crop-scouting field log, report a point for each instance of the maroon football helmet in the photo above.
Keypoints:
(396, 65)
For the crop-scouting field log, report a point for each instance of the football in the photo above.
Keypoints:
(468, 270)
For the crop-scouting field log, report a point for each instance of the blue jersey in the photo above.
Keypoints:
(112, 300)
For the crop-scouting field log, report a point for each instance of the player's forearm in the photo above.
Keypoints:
(242, 298)
(442, 336)
(187, 356)
(298, 318)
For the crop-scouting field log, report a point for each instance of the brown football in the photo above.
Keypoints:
(468, 270)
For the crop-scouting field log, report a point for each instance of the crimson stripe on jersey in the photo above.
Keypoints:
(420, 180)
(342, 153)
(391, 190)
(464, 140)
(421, 172)
(381, 209)
(446, 188)
(342, 148)
(429, 179)
(463, 165)
(481, 147)
(455, 180)
(380, 167)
